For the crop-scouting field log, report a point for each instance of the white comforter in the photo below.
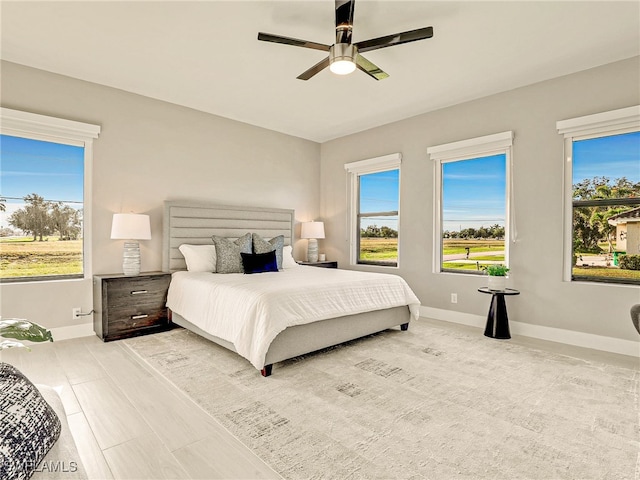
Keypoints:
(250, 310)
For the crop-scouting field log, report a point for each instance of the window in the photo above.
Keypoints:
(44, 197)
(375, 207)
(602, 187)
(471, 203)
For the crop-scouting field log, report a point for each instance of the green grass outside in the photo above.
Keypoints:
(606, 272)
(460, 266)
(453, 246)
(22, 257)
(379, 249)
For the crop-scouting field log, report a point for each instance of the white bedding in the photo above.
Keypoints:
(250, 310)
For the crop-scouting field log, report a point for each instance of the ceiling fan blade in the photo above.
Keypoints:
(370, 69)
(267, 37)
(321, 65)
(396, 39)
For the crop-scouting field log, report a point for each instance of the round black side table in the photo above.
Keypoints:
(497, 319)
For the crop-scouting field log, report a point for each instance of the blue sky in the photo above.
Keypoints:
(474, 193)
(379, 192)
(52, 170)
(614, 157)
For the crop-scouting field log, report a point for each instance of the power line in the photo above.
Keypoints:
(2, 197)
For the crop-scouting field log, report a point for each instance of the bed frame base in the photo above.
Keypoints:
(302, 339)
(266, 371)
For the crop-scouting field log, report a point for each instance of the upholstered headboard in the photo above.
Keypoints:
(195, 223)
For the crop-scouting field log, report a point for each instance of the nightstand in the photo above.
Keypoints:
(130, 306)
(326, 264)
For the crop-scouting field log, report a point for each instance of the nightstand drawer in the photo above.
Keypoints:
(126, 319)
(137, 291)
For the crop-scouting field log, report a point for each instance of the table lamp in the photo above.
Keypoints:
(130, 226)
(312, 231)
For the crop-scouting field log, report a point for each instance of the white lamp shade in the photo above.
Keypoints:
(312, 230)
(130, 226)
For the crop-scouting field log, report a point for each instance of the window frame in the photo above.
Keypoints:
(604, 124)
(478, 147)
(45, 128)
(354, 170)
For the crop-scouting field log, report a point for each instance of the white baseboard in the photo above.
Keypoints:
(73, 331)
(570, 337)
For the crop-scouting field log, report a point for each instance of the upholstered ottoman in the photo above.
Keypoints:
(35, 441)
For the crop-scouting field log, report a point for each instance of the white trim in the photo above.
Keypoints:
(67, 333)
(73, 331)
(600, 123)
(17, 123)
(471, 147)
(385, 162)
(559, 335)
(354, 170)
(58, 130)
(567, 216)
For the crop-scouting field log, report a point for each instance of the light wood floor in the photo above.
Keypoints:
(129, 422)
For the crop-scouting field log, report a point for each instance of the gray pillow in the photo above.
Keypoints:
(28, 425)
(260, 245)
(228, 259)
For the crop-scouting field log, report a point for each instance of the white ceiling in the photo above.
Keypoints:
(205, 54)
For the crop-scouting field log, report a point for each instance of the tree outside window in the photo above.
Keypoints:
(606, 208)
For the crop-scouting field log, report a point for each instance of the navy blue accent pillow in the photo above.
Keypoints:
(259, 262)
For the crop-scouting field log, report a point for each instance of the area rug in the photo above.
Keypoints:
(432, 402)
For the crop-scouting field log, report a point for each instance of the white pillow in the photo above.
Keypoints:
(287, 257)
(199, 258)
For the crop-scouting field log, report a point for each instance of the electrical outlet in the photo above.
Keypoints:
(454, 298)
(75, 313)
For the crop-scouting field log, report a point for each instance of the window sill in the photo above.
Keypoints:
(41, 280)
(374, 265)
(603, 281)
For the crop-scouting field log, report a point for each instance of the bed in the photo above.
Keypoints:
(284, 327)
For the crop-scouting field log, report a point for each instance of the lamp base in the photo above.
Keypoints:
(131, 259)
(312, 250)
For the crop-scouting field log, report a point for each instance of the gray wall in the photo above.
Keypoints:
(150, 151)
(537, 257)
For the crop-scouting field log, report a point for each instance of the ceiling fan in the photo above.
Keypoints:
(344, 56)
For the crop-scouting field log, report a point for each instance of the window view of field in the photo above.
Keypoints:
(24, 257)
(379, 250)
(471, 254)
(40, 233)
(473, 214)
(481, 252)
(378, 201)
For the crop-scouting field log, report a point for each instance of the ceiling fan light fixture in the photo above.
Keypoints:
(342, 58)
(342, 67)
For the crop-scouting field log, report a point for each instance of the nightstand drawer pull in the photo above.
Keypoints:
(139, 292)
(138, 317)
